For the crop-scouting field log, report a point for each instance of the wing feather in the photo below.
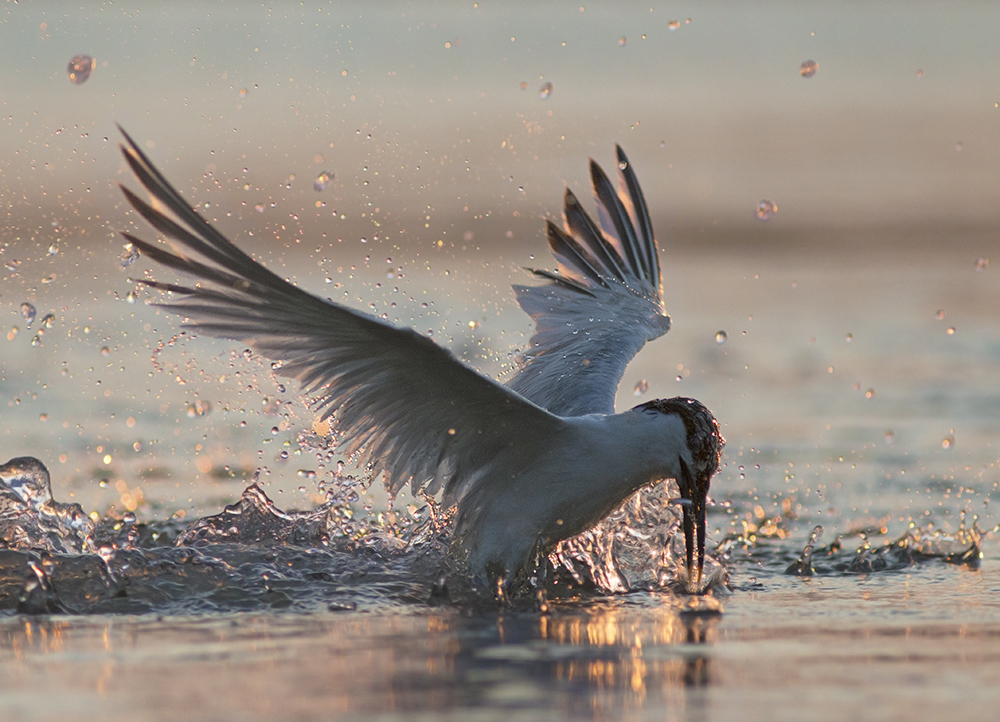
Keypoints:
(588, 328)
(407, 406)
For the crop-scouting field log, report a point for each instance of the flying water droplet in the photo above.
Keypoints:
(939, 315)
(322, 180)
(808, 68)
(720, 337)
(130, 254)
(545, 91)
(765, 210)
(80, 68)
(982, 264)
(641, 387)
(948, 442)
(28, 311)
(621, 41)
(48, 320)
(36, 341)
(849, 337)
(674, 24)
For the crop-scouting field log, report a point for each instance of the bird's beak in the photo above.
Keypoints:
(694, 489)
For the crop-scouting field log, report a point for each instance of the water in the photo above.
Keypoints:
(846, 402)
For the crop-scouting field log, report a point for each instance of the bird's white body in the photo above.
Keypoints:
(547, 494)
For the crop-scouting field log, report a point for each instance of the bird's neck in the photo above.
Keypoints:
(636, 448)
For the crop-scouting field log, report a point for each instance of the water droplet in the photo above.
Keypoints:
(28, 311)
(959, 145)
(849, 337)
(80, 67)
(105, 351)
(982, 264)
(808, 68)
(12, 265)
(243, 92)
(674, 24)
(948, 442)
(720, 337)
(128, 517)
(641, 387)
(679, 378)
(36, 341)
(890, 436)
(274, 431)
(870, 394)
(48, 320)
(12, 334)
(130, 254)
(920, 73)
(545, 91)
(322, 180)
(939, 315)
(621, 41)
(765, 210)
(950, 331)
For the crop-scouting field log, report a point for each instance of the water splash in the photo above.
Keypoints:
(803, 566)
(637, 546)
(31, 519)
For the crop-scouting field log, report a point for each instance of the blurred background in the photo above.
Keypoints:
(402, 157)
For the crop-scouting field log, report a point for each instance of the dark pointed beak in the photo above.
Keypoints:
(694, 490)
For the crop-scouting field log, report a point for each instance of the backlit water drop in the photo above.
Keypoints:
(130, 254)
(808, 68)
(720, 337)
(641, 387)
(80, 67)
(28, 311)
(545, 91)
(322, 180)
(765, 210)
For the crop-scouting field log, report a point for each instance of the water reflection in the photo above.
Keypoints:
(595, 661)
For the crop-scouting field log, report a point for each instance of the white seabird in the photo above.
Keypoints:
(527, 464)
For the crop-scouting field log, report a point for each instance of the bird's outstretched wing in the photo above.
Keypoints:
(600, 307)
(407, 405)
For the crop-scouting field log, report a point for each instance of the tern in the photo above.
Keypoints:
(528, 464)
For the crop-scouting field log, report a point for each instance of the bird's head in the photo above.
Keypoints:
(696, 463)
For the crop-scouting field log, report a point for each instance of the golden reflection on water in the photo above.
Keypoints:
(637, 653)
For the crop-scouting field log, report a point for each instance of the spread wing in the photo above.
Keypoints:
(600, 307)
(404, 404)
